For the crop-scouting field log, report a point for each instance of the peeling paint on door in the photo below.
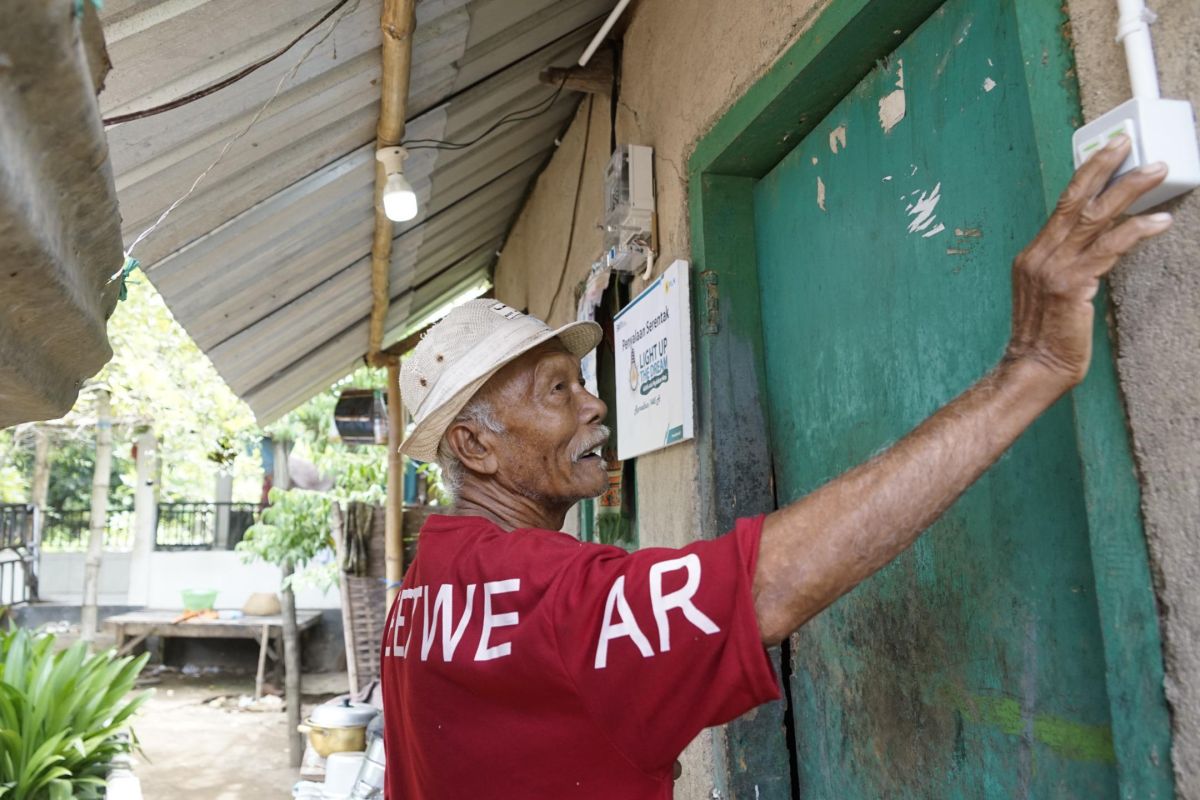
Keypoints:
(820, 193)
(922, 211)
(892, 105)
(837, 138)
(988, 84)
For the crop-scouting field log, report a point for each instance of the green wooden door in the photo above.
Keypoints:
(973, 666)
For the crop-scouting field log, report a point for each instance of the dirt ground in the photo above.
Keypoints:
(197, 751)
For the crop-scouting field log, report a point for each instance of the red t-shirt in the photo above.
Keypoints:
(525, 665)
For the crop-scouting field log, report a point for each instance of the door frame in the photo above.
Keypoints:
(735, 472)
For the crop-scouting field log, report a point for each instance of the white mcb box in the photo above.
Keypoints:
(1159, 130)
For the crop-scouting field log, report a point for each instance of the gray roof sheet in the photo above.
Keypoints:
(267, 264)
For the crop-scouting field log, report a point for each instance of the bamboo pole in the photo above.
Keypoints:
(396, 24)
(99, 518)
(282, 480)
(40, 488)
(394, 519)
(338, 522)
(291, 667)
(145, 517)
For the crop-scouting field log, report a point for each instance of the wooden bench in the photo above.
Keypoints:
(132, 628)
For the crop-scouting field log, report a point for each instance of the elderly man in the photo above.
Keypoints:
(521, 663)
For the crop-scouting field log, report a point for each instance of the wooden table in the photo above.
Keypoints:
(131, 629)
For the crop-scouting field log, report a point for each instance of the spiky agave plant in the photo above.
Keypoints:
(62, 716)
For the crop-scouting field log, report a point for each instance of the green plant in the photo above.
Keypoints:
(435, 489)
(294, 529)
(62, 716)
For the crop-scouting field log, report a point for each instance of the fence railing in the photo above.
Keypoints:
(16, 525)
(67, 529)
(203, 526)
(181, 526)
(18, 554)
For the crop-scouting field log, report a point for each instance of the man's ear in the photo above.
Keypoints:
(474, 448)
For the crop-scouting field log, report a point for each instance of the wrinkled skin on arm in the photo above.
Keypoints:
(820, 547)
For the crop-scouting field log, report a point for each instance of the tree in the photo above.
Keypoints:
(159, 375)
(359, 471)
(294, 528)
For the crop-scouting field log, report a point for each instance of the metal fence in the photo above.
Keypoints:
(203, 526)
(18, 554)
(16, 525)
(66, 530)
(181, 526)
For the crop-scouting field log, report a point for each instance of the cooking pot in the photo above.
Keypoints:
(338, 727)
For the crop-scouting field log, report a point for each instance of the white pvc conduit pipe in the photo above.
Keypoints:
(600, 34)
(1133, 30)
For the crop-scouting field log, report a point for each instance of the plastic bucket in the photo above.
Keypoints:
(199, 599)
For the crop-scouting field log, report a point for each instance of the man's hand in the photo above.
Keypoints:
(822, 546)
(1058, 274)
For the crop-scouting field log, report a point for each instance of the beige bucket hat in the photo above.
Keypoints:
(457, 356)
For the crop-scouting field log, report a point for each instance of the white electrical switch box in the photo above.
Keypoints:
(1159, 130)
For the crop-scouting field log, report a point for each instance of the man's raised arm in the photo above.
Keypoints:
(818, 548)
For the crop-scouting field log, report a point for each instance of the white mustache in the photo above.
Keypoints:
(602, 434)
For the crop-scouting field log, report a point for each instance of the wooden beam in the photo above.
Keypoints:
(402, 347)
(595, 78)
(396, 24)
(394, 519)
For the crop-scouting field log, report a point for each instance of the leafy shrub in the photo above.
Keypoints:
(294, 529)
(62, 716)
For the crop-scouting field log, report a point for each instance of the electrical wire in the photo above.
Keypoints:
(508, 119)
(587, 133)
(287, 76)
(232, 79)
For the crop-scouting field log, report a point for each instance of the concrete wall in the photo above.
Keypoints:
(61, 579)
(224, 571)
(1156, 292)
(680, 71)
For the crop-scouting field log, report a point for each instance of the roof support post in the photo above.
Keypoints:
(397, 24)
(394, 519)
(101, 476)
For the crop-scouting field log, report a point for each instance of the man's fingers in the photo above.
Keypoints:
(1104, 252)
(1094, 175)
(1088, 181)
(1099, 214)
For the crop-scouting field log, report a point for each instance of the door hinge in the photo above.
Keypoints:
(712, 303)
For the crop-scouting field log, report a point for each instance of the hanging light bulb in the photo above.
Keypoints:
(399, 199)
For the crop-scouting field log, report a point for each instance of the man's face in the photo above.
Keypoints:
(553, 427)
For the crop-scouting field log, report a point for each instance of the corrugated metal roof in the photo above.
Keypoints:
(267, 264)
